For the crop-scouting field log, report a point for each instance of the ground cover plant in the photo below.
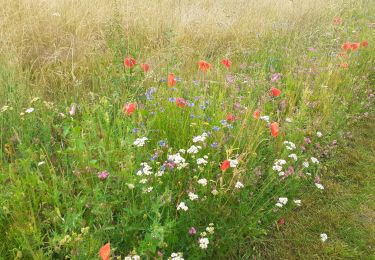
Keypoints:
(171, 129)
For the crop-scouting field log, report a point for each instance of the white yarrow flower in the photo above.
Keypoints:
(182, 206)
(323, 237)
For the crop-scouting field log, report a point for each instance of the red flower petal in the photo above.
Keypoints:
(274, 127)
(129, 108)
(129, 62)
(105, 251)
(275, 92)
(225, 165)
(171, 80)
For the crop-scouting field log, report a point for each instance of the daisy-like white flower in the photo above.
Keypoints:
(288, 120)
(239, 185)
(203, 242)
(319, 186)
(192, 196)
(214, 192)
(202, 181)
(139, 142)
(297, 202)
(319, 134)
(182, 206)
(323, 237)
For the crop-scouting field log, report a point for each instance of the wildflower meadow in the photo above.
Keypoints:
(178, 129)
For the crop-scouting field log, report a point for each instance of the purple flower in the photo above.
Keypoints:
(215, 128)
(192, 231)
(307, 140)
(275, 77)
(103, 175)
(214, 145)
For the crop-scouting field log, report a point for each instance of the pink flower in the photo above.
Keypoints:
(103, 175)
(192, 231)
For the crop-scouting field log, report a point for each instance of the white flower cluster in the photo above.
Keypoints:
(278, 165)
(319, 186)
(210, 229)
(323, 237)
(238, 185)
(134, 257)
(192, 196)
(176, 256)
(293, 156)
(202, 161)
(139, 142)
(265, 118)
(233, 163)
(146, 169)
(314, 160)
(182, 206)
(202, 181)
(193, 149)
(200, 138)
(289, 145)
(203, 242)
(282, 202)
(178, 160)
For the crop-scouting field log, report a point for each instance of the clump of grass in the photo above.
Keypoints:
(190, 164)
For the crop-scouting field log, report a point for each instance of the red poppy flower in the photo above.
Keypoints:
(145, 67)
(275, 92)
(180, 102)
(256, 114)
(230, 118)
(129, 62)
(346, 46)
(364, 43)
(227, 63)
(204, 66)
(274, 127)
(225, 165)
(105, 251)
(354, 46)
(171, 80)
(129, 108)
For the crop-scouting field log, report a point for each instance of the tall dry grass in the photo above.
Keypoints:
(60, 42)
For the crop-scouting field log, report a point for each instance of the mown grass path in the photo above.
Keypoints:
(345, 210)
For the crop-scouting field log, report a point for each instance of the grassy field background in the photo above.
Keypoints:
(72, 164)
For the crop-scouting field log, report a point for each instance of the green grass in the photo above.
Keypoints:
(345, 210)
(53, 205)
